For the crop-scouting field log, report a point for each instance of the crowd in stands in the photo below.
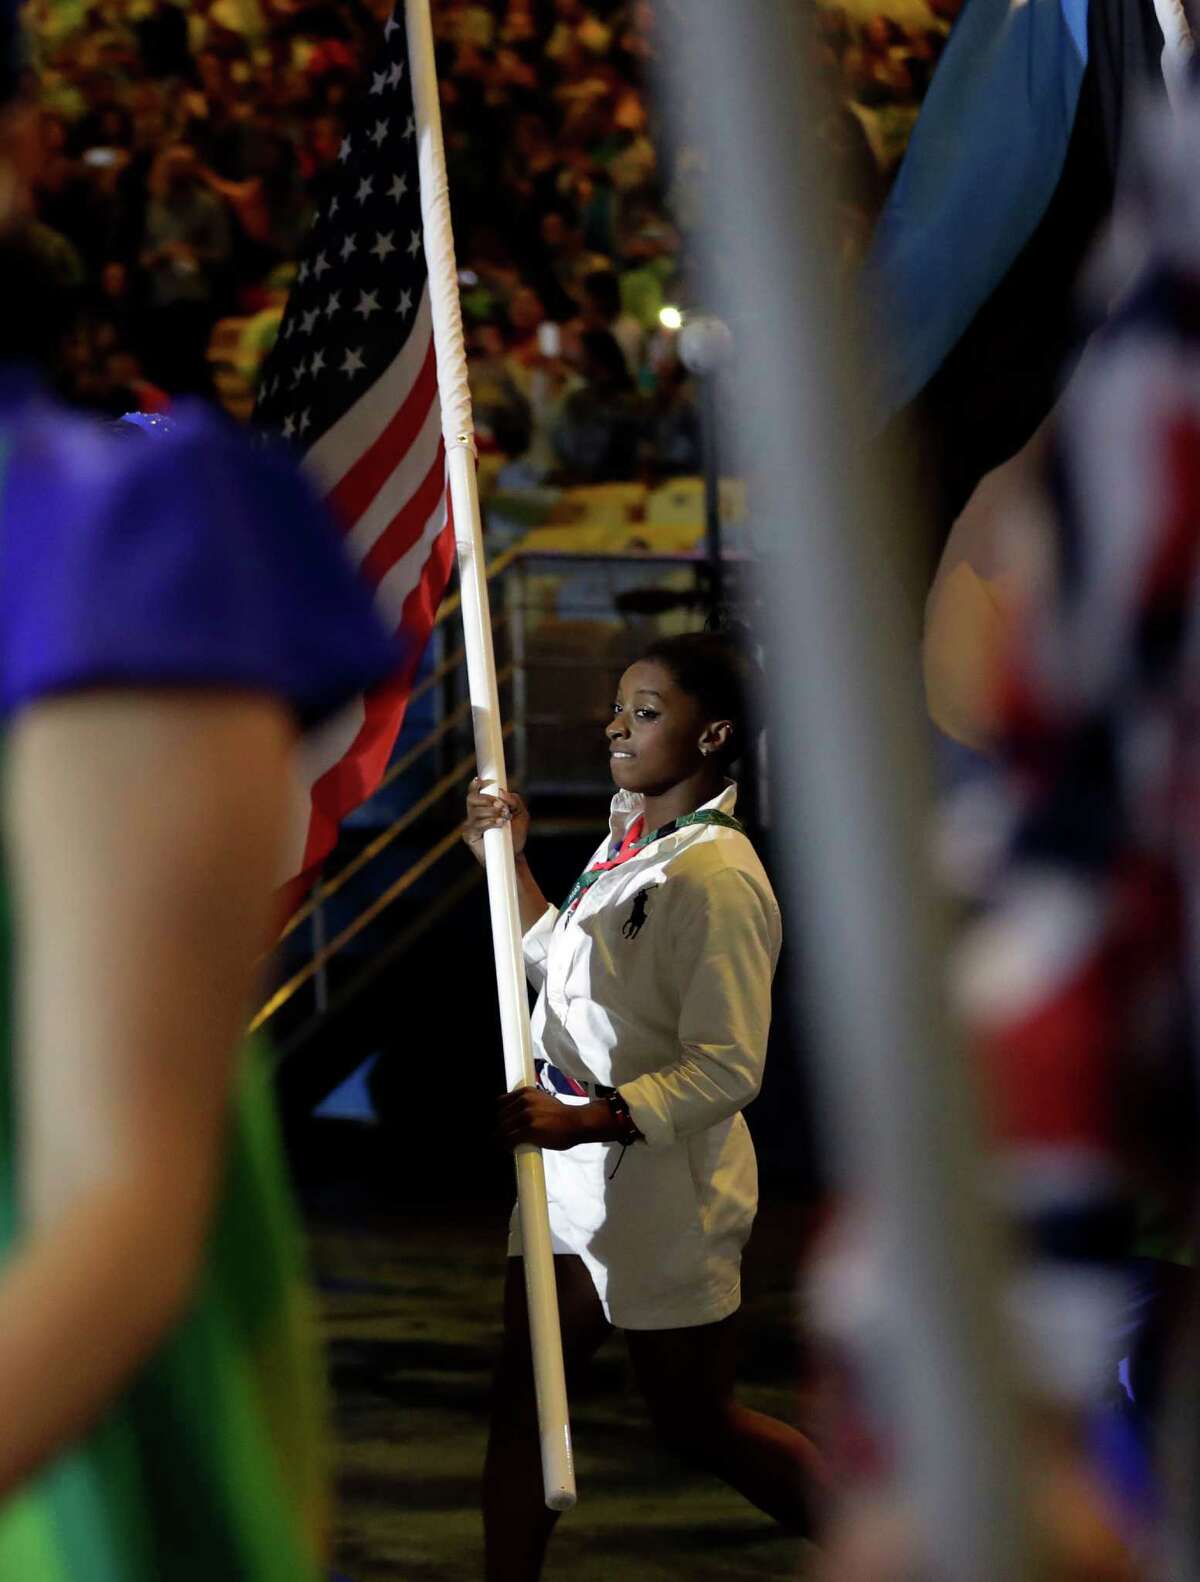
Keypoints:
(563, 229)
(182, 146)
(876, 72)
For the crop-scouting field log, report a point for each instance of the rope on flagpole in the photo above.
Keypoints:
(558, 1471)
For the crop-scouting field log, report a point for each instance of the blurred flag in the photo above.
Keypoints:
(1010, 172)
(352, 380)
(1079, 980)
(984, 160)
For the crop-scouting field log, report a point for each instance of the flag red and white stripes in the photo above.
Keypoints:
(353, 381)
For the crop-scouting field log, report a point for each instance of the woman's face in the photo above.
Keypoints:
(655, 733)
(525, 311)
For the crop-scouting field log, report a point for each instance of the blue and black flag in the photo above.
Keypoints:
(1010, 173)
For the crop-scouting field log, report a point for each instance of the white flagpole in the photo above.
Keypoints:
(897, 1098)
(558, 1470)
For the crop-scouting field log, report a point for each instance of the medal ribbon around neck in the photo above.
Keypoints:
(635, 842)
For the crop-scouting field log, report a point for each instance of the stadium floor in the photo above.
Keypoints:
(410, 1306)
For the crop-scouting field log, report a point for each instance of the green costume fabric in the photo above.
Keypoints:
(208, 1469)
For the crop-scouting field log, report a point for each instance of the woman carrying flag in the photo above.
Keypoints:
(650, 1032)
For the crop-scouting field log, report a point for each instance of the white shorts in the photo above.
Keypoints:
(661, 1230)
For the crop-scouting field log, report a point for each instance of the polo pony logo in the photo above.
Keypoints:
(632, 925)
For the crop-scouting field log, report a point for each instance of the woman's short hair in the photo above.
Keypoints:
(720, 672)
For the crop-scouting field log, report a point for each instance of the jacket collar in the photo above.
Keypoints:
(627, 805)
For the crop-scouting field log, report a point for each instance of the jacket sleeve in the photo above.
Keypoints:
(726, 938)
(535, 945)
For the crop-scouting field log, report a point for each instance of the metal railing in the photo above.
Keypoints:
(565, 625)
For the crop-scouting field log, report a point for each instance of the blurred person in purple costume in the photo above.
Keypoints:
(174, 612)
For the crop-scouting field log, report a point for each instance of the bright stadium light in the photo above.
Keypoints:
(670, 318)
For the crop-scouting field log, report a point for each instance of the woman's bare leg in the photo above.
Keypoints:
(687, 1379)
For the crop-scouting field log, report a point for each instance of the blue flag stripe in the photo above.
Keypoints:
(985, 157)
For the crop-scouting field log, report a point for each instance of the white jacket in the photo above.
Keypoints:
(659, 984)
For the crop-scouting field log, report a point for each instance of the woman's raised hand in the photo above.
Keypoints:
(493, 812)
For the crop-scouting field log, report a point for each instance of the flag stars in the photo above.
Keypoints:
(405, 304)
(305, 421)
(346, 149)
(398, 187)
(352, 363)
(365, 188)
(308, 320)
(334, 304)
(414, 244)
(410, 129)
(302, 273)
(383, 245)
(379, 81)
(298, 372)
(320, 265)
(289, 427)
(318, 362)
(395, 74)
(348, 246)
(379, 132)
(368, 303)
(391, 26)
(333, 205)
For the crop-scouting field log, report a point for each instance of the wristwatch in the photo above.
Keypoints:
(625, 1121)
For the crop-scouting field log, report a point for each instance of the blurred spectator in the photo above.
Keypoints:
(112, 302)
(602, 310)
(163, 36)
(598, 436)
(519, 25)
(649, 259)
(186, 247)
(576, 28)
(57, 257)
(879, 71)
(322, 139)
(526, 315)
(561, 261)
(270, 204)
(502, 410)
(672, 431)
(259, 330)
(133, 392)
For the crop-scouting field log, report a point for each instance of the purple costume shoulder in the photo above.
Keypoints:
(190, 559)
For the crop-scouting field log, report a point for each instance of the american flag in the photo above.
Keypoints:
(352, 382)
